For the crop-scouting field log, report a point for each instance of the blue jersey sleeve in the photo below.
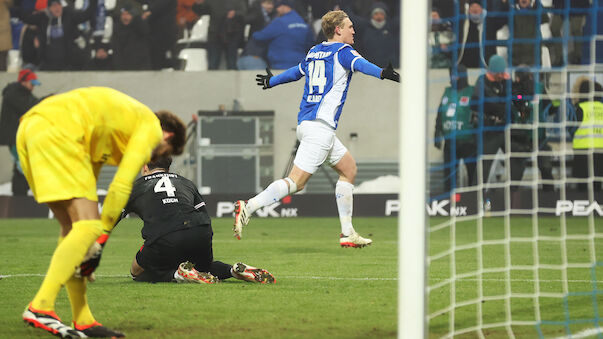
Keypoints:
(353, 61)
(292, 74)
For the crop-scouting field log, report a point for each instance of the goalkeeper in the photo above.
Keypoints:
(62, 143)
(177, 232)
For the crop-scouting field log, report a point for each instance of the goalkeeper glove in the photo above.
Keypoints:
(389, 73)
(92, 258)
(264, 80)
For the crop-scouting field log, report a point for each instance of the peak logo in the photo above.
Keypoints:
(437, 207)
(226, 209)
(579, 208)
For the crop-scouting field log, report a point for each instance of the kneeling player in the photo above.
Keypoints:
(177, 232)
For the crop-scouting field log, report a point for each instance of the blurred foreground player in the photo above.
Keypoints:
(177, 232)
(328, 68)
(62, 143)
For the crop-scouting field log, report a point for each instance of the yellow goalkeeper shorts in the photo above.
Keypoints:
(56, 163)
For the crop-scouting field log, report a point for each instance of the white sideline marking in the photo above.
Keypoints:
(2, 276)
(583, 334)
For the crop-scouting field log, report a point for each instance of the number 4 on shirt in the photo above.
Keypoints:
(165, 185)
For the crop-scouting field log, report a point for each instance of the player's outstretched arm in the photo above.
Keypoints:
(269, 80)
(352, 60)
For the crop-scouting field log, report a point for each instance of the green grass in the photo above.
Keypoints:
(320, 292)
(583, 299)
(323, 291)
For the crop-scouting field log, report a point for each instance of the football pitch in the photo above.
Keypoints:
(322, 290)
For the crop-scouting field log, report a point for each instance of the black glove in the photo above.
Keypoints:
(264, 80)
(92, 258)
(389, 73)
(438, 144)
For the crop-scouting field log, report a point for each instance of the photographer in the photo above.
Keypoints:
(526, 90)
(492, 109)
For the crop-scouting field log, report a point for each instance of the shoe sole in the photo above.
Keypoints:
(36, 324)
(259, 275)
(191, 277)
(189, 273)
(239, 220)
(353, 245)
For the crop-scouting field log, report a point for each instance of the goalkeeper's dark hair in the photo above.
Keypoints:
(171, 123)
(163, 162)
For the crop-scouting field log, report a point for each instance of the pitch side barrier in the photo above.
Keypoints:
(575, 203)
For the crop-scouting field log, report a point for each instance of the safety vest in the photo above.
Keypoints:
(590, 132)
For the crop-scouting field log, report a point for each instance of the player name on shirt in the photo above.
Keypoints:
(318, 55)
(314, 98)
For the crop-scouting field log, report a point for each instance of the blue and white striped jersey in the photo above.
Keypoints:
(328, 68)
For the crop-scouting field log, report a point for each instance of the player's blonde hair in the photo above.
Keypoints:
(331, 20)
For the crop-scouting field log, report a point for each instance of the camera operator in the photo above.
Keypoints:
(526, 92)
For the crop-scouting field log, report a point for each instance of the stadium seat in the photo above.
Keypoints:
(13, 63)
(194, 59)
(110, 4)
(200, 29)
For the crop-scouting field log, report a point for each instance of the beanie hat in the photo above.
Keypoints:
(496, 64)
(28, 75)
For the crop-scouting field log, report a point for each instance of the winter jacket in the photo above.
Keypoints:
(289, 38)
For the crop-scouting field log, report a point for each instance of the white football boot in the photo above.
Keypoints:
(354, 240)
(241, 218)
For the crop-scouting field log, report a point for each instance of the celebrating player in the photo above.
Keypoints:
(177, 232)
(328, 68)
(62, 144)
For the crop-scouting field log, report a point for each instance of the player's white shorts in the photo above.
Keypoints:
(317, 144)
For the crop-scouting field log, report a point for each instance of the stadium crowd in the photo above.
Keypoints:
(57, 35)
(516, 43)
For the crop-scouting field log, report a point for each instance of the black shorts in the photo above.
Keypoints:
(167, 252)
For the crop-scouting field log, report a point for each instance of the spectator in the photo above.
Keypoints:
(130, 41)
(453, 126)
(378, 35)
(161, 18)
(226, 28)
(527, 25)
(56, 33)
(185, 16)
(259, 15)
(587, 140)
(473, 34)
(102, 59)
(288, 37)
(17, 98)
(440, 38)
(254, 55)
(490, 102)
(6, 40)
(574, 20)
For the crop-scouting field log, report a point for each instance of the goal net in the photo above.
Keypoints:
(515, 165)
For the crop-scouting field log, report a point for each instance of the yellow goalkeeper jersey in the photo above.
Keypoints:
(78, 132)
